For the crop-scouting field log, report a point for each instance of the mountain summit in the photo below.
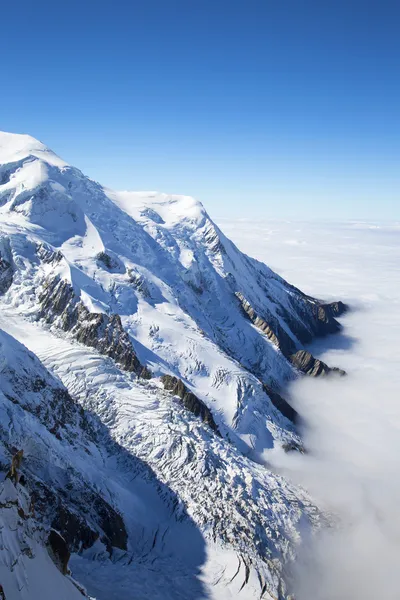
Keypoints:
(170, 350)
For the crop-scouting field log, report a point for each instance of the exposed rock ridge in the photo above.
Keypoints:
(325, 314)
(59, 304)
(189, 400)
(6, 265)
(323, 323)
(48, 255)
(281, 404)
(305, 362)
(275, 332)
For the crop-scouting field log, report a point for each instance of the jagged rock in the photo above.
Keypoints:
(112, 524)
(80, 517)
(305, 362)
(326, 313)
(139, 282)
(318, 321)
(274, 331)
(213, 240)
(75, 529)
(6, 265)
(48, 255)
(189, 400)
(336, 309)
(322, 322)
(314, 318)
(58, 551)
(97, 330)
(111, 263)
(281, 404)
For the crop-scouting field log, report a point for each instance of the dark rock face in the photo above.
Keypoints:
(325, 314)
(271, 329)
(281, 404)
(17, 498)
(81, 516)
(317, 319)
(213, 240)
(111, 263)
(336, 309)
(189, 400)
(6, 266)
(306, 363)
(112, 524)
(58, 551)
(48, 255)
(97, 330)
(74, 528)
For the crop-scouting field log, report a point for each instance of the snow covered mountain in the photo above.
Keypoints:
(150, 390)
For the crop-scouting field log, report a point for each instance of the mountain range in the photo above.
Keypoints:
(144, 363)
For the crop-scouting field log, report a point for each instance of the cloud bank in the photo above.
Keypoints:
(351, 425)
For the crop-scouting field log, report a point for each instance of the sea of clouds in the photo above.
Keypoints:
(351, 425)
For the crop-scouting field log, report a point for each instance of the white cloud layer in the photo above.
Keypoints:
(352, 425)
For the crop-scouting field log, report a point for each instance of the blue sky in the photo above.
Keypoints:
(276, 108)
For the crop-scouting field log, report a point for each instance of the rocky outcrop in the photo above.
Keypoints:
(281, 404)
(110, 263)
(6, 265)
(189, 400)
(212, 240)
(321, 321)
(74, 527)
(103, 332)
(305, 362)
(48, 255)
(271, 328)
(81, 517)
(325, 317)
(58, 551)
(318, 319)
(314, 318)
(335, 309)
(139, 283)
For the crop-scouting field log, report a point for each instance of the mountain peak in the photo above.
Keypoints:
(17, 146)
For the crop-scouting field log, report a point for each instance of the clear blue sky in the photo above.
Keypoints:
(261, 107)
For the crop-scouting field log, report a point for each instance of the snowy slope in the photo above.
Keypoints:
(108, 288)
